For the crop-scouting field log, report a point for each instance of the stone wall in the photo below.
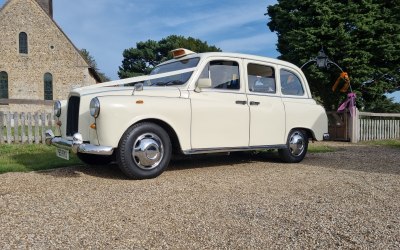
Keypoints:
(49, 50)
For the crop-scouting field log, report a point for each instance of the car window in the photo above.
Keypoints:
(291, 84)
(223, 74)
(261, 78)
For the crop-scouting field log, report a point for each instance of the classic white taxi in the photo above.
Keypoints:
(192, 104)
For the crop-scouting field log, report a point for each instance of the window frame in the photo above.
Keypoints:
(6, 96)
(48, 79)
(300, 80)
(274, 73)
(23, 43)
(225, 90)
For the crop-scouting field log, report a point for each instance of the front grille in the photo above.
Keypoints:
(73, 115)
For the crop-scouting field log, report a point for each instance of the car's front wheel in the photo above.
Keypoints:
(144, 151)
(296, 147)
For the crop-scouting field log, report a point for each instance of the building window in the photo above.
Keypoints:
(48, 86)
(3, 85)
(23, 43)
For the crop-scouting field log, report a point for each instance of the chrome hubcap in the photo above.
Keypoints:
(148, 151)
(296, 143)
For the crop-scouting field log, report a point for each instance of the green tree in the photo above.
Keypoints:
(363, 37)
(142, 59)
(92, 63)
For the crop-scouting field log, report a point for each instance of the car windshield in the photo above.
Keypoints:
(175, 79)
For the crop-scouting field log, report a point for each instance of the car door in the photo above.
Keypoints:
(267, 112)
(220, 114)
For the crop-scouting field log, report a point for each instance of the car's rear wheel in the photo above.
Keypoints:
(144, 151)
(296, 147)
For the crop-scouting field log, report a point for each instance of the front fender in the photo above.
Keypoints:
(117, 114)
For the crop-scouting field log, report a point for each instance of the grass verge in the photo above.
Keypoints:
(25, 158)
(386, 143)
(316, 148)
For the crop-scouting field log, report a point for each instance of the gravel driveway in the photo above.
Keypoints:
(346, 199)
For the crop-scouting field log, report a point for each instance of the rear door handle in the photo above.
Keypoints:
(254, 103)
(241, 102)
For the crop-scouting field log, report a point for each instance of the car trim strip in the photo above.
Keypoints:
(235, 149)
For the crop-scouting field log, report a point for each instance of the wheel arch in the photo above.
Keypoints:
(307, 131)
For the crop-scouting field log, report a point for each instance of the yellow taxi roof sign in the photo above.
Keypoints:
(177, 53)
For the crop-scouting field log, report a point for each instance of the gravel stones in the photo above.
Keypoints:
(345, 199)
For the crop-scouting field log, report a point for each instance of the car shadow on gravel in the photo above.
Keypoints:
(110, 171)
(217, 160)
(365, 159)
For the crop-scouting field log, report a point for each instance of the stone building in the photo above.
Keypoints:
(38, 63)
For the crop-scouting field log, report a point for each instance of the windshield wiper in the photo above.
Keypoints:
(169, 83)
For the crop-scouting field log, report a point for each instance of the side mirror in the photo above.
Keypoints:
(203, 83)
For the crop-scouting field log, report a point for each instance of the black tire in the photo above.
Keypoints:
(296, 147)
(144, 151)
(95, 160)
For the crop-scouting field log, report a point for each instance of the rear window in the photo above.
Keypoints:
(291, 84)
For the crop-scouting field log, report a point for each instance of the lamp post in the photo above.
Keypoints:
(322, 61)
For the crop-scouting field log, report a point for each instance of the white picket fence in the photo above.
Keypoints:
(30, 128)
(378, 126)
(24, 127)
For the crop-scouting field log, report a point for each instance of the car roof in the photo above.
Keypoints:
(233, 55)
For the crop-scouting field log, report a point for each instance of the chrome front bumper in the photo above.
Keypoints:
(76, 145)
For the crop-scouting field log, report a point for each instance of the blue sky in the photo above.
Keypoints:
(106, 27)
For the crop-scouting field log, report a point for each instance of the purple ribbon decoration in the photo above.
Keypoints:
(350, 103)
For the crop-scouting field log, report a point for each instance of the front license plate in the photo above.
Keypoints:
(62, 153)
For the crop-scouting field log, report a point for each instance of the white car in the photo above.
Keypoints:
(192, 104)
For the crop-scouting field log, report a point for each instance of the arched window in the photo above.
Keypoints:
(3, 85)
(23, 43)
(48, 86)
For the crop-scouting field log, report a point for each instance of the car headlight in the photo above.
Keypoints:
(95, 107)
(57, 108)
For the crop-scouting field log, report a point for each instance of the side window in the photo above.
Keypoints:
(23, 43)
(261, 78)
(291, 84)
(48, 86)
(223, 74)
(3, 85)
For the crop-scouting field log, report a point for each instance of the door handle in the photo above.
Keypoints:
(254, 103)
(241, 102)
